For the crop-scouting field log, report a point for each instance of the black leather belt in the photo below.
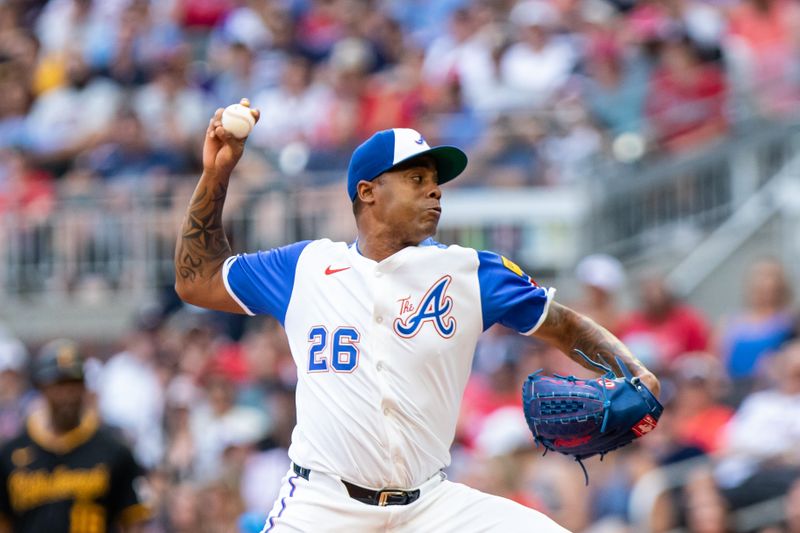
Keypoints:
(380, 498)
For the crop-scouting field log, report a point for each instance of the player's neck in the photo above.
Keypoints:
(62, 427)
(379, 246)
(376, 250)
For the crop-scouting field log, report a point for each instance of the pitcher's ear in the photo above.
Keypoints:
(365, 191)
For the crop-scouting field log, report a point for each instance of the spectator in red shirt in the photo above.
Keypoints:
(25, 189)
(761, 48)
(700, 416)
(686, 98)
(664, 328)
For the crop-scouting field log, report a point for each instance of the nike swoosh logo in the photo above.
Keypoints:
(329, 270)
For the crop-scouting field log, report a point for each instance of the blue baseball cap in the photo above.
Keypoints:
(388, 148)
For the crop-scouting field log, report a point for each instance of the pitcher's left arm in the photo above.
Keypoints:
(569, 330)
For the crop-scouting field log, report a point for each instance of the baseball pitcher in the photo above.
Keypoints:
(382, 331)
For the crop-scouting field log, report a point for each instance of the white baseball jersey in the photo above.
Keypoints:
(383, 349)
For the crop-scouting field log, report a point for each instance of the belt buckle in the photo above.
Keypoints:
(384, 496)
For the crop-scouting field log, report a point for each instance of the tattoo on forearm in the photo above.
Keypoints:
(578, 332)
(602, 346)
(202, 245)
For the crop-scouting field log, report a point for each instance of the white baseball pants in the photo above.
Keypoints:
(321, 504)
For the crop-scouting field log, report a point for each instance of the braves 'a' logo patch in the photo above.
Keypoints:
(434, 307)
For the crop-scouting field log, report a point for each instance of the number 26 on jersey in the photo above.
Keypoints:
(337, 351)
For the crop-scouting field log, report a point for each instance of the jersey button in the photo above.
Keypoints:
(379, 320)
(379, 366)
(386, 411)
(378, 274)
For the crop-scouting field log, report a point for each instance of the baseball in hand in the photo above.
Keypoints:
(238, 120)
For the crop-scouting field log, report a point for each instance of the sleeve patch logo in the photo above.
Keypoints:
(512, 266)
(434, 307)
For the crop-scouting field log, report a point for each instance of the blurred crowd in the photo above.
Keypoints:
(206, 401)
(119, 92)
(114, 95)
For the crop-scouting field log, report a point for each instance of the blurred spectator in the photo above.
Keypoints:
(270, 367)
(172, 111)
(700, 416)
(240, 34)
(130, 395)
(478, 69)
(319, 28)
(70, 26)
(601, 277)
(764, 324)
(761, 457)
(496, 383)
(203, 14)
(505, 463)
(349, 64)
(181, 396)
(615, 87)
(142, 37)
(572, 144)
(68, 119)
(16, 395)
(706, 510)
(447, 51)
(793, 508)
(539, 65)
(129, 157)
(183, 510)
(13, 108)
(25, 190)
(663, 328)
(28, 195)
(239, 78)
(421, 18)
(686, 98)
(761, 47)
(264, 468)
(509, 149)
(448, 120)
(294, 110)
(65, 469)
(217, 422)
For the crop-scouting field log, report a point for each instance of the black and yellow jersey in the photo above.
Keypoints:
(79, 482)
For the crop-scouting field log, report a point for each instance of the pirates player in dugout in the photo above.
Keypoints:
(65, 472)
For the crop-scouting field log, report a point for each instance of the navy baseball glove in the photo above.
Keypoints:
(586, 417)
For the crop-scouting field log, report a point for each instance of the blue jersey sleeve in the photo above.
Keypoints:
(509, 296)
(262, 282)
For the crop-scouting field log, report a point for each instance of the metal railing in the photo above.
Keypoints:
(642, 208)
(126, 245)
